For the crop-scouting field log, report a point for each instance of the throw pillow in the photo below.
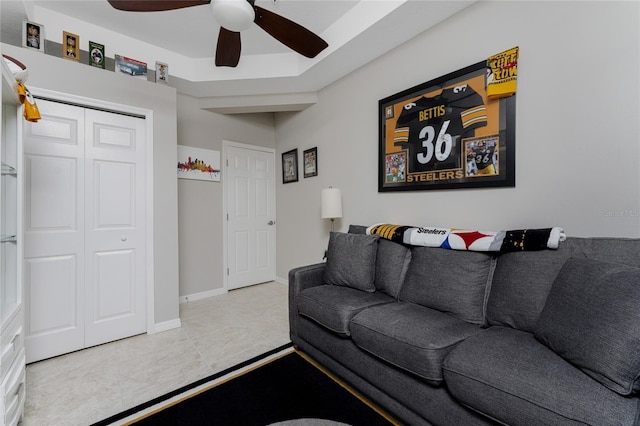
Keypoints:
(351, 261)
(592, 320)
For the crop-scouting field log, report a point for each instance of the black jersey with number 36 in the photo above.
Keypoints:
(431, 128)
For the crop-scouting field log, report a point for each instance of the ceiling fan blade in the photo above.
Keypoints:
(154, 5)
(228, 49)
(289, 33)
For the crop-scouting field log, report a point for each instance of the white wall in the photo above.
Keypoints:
(577, 155)
(577, 129)
(60, 75)
(200, 203)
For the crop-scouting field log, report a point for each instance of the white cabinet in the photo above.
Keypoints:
(12, 354)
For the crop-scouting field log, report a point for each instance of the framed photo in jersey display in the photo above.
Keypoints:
(447, 134)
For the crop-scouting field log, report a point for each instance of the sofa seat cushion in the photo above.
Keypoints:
(510, 376)
(410, 336)
(333, 307)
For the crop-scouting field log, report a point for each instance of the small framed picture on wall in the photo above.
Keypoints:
(162, 73)
(310, 162)
(96, 55)
(33, 36)
(70, 46)
(290, 166)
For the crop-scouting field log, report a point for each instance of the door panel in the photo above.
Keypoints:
(114, 279)
(262, 249)
(61, 128)
(53, 281)
(250, 193)
(115, 194)
(241, 242)
(48, 210)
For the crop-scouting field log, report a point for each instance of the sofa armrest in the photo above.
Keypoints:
(300, 279)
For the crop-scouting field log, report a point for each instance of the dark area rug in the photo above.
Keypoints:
(284, 390)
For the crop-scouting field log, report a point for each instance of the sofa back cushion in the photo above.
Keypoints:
(357, 229)
(522, 280)
(521, 283)
(451, 281)
(351, 261)
(592, 319)
(392, 262)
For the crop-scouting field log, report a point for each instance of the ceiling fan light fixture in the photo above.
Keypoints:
(234, 15)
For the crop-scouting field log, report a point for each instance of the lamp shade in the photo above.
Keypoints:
(331, 203)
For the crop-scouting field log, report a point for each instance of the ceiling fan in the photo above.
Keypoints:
(235, 16)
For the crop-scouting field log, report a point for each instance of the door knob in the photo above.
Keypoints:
(271, 222)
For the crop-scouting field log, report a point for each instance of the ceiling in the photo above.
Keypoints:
(269, 76)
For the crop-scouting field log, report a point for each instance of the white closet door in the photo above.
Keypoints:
(115, 227)
(84, 229)
(54, 231)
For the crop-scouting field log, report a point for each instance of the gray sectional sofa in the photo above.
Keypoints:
(444, 337)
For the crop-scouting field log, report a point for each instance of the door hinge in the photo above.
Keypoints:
(227, 271)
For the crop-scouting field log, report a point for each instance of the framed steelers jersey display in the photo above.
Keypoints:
(447, 134)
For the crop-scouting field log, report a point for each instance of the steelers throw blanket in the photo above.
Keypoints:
(462, 239)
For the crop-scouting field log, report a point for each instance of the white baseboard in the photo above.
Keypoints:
(165, 326)
(220, 291)
(202, 295)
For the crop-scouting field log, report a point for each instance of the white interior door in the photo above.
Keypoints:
(84, 229)
(54, 257)
(115, 231)
(250, 202)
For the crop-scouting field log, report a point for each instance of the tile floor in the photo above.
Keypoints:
(218, 332)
